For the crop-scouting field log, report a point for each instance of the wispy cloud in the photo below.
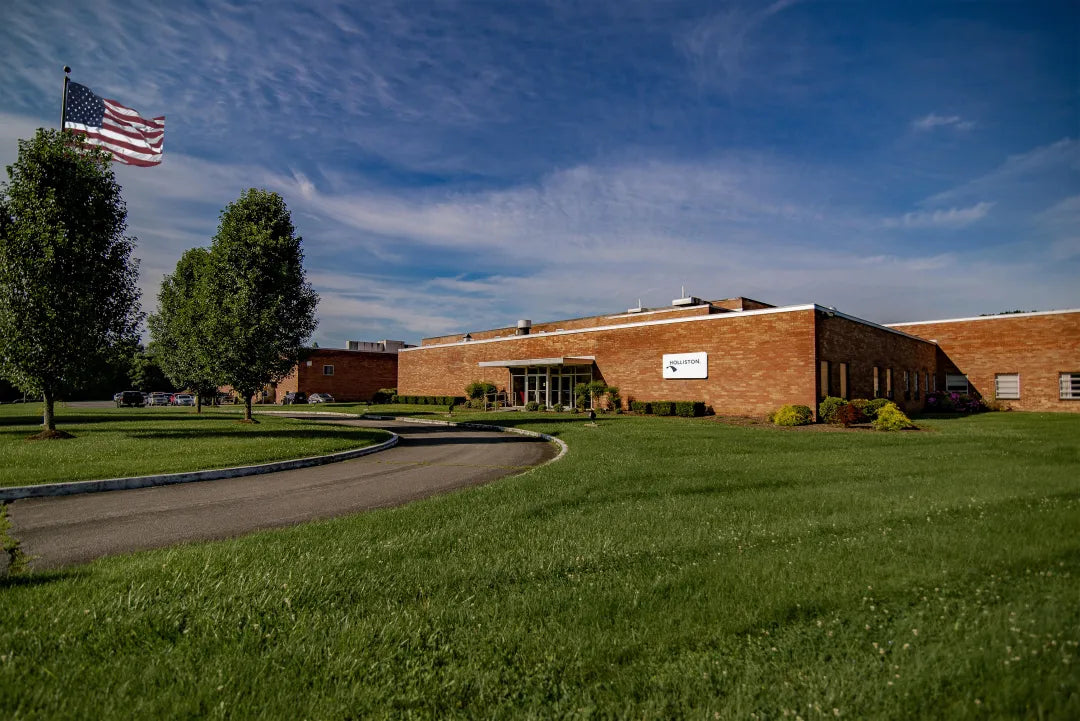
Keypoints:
(952, 218)
(933, 120)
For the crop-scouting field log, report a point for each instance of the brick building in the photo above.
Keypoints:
(738, 355)
(1027, 361)
(352, 374)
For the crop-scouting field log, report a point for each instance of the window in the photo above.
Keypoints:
(907, 385)
(843, 380)
(1070, 386)
(328, 370)
(1007, 386)
(877, 383)
(926, 382)
(956, 383)
(915, 384)
(888, 383)
(823, 382)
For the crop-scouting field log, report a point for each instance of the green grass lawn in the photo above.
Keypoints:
(666, 568)
(111, 443)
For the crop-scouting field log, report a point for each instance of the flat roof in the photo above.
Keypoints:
(996, 316)
(577, 360)
(711, 318)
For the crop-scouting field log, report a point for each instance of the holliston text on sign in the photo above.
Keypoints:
(686, 365)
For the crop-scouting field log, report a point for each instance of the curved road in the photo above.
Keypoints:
(430, 459)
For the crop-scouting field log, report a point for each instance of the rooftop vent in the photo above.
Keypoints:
(688, 300)
(636, 310)
(524, 327)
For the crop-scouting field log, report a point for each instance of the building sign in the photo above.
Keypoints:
(686, 365)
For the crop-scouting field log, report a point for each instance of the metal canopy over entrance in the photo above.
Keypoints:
(546, 381)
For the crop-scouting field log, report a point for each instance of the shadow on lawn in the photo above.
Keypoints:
(37, 578)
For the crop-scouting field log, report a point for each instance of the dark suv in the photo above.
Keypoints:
(294, 398)
(128, 398)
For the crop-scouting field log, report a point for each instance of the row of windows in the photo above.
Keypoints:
(1006, 385)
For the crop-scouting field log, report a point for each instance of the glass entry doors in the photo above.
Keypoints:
(547, 385)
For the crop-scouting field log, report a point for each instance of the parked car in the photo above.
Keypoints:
(294, 398)
(128, 398)
(321, 398)
(158, 399)
(224, 398)
(184, 399)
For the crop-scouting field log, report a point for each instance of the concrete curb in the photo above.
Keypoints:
(563, 448)
(119, 484)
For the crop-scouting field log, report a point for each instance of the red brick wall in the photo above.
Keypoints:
(357, 374)
(862, 347)
(1038, 347)
(756, 362)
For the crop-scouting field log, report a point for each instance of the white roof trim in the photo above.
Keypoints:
(998, 316)
(668, 321)
(576, 360)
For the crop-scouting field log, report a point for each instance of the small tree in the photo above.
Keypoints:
(181, 343)
(146, 374)
(261, 309)
(68, 284)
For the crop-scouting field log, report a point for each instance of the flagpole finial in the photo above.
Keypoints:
(67, 69)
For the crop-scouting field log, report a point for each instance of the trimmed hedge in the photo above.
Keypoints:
(871, 407)
(663, 408)
(827, 409)
(640, 407)
(689, 409)
(430, 400)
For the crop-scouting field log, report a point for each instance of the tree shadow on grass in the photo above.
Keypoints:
(38, 578)
(250, 432)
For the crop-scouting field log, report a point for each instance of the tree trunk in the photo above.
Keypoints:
(198, 402)
(247, 407)
(49, 420)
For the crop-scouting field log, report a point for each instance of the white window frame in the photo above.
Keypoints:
(328, 370)
(952, 384)
(1011, 379)
(1069, 386)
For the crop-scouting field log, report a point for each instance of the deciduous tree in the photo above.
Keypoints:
(262, 308)
(68, 284)
(180, 339)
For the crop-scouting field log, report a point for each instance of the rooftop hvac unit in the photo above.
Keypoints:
(524, 327)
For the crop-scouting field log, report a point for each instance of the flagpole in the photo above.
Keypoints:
(63, 102)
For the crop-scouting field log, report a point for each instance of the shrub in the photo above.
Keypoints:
(532, 406)
(557, 408)
(848, 415)
(479, 389)
(891, 418)
(581, 394)
(614, 402)
(870, 408)
(944, 402)
(385, 395)
(826, 412)
(792, 415)
(663, 408)
(689, 409)
(640, 407)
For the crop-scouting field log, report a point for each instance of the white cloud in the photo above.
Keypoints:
(950, 218)
(933, 120)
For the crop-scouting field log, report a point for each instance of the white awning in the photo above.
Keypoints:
(581, 360)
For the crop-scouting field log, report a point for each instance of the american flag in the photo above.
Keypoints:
(130, 138)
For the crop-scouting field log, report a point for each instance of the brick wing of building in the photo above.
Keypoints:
(745, 357)
(738, 355)
(1027, 361)
(351, 374)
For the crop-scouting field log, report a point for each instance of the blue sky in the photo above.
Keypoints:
(457, 166)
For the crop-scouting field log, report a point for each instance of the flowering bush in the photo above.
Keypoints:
(946, 402)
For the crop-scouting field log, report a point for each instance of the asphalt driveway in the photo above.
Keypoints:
(66, 530)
